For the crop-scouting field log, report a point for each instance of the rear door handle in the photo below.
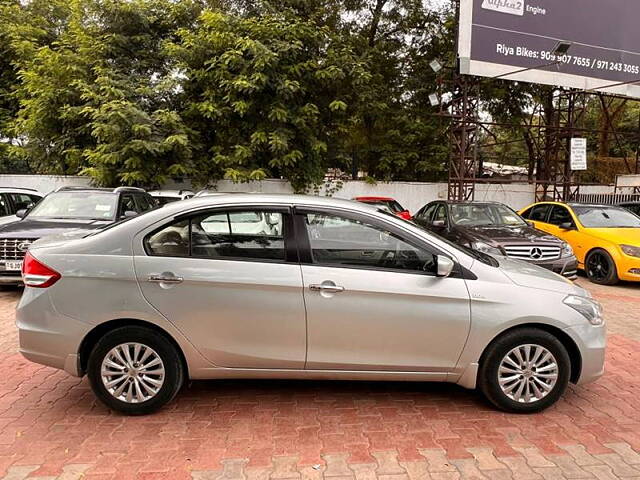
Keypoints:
(165, 279)
(326, 288)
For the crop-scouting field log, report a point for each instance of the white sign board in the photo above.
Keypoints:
(628, 181)
(578, 154)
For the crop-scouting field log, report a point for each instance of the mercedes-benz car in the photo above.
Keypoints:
(67, 211)
(494, 228)
(333, 289)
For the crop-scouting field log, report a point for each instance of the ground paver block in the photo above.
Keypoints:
(51, 426)
(486, 459)
(437, 461)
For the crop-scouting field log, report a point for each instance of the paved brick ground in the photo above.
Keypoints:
(52, 427)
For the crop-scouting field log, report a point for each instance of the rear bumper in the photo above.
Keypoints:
(47, 337)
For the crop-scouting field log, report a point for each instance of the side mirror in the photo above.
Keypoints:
(567, 226)
(129, 214)
(438, 224)
(21, 213)
(444, 266)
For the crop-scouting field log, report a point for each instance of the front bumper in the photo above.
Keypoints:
(565, 266)
(10, 278)
(591, 342)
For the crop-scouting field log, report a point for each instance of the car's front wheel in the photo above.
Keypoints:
(135, 370)
(601, 268)
(525, 371)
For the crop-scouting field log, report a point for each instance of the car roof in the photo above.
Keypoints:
(176, 193)
(453, 202)
(20, 190)
(267, 198)
(374, 199)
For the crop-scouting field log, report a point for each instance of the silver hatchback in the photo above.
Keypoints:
(269, 286)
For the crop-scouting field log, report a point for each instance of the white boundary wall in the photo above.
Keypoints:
(412, 195)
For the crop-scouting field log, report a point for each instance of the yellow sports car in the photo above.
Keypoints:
(605, 239)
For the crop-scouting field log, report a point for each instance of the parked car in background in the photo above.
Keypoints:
(496, 229)
(168, 196)
(392, 205)
(69, 211)
(633, 207)
(605, 238)
(333, 289)
(13, 200)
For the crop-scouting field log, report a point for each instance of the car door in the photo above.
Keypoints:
(230, 281)
(561, 217)
(372, 298)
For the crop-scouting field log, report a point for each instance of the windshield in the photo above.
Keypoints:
(80, 205)
(477, 215)
(606, 217)
(480, 256)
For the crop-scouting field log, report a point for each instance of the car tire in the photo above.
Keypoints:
(495, 381)
(600, 268)
(144, 370)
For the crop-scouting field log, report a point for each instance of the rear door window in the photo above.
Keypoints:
(250, 234)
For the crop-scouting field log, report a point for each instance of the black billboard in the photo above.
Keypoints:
(516, 40)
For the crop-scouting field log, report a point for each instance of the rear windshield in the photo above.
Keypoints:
(77, 205)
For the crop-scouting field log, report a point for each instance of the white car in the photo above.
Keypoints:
(168, 196)
(14, 200)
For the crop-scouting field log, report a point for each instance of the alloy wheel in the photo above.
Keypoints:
(528, 373)
(132, 372)
(598, 266)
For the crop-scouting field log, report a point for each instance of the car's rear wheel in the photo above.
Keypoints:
(525, 371)
(601, 268)
(135, 370)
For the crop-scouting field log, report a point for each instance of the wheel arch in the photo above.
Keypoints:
(92, 338)
(572, 348)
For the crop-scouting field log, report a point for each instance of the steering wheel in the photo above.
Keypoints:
(463, 221)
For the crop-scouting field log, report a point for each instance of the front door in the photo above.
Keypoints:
(373, 300)
(563, 225)
(226, 279)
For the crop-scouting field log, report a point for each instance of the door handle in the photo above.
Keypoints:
(165, 279)
(326, 288)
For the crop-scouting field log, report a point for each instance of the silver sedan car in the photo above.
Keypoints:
(269, 286)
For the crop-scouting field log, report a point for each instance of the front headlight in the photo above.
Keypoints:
(630, 250)
(589, 308)
(567, 251)
(486, 248)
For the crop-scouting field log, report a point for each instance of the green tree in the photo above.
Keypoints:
(268, 95)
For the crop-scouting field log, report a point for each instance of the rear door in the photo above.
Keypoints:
(230, 280)
(373, 300)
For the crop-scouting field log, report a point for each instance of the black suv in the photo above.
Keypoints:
(494, 228)
(78, 209)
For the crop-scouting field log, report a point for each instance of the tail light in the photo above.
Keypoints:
(36, 274)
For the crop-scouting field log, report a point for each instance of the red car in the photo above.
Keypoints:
(389, 203)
